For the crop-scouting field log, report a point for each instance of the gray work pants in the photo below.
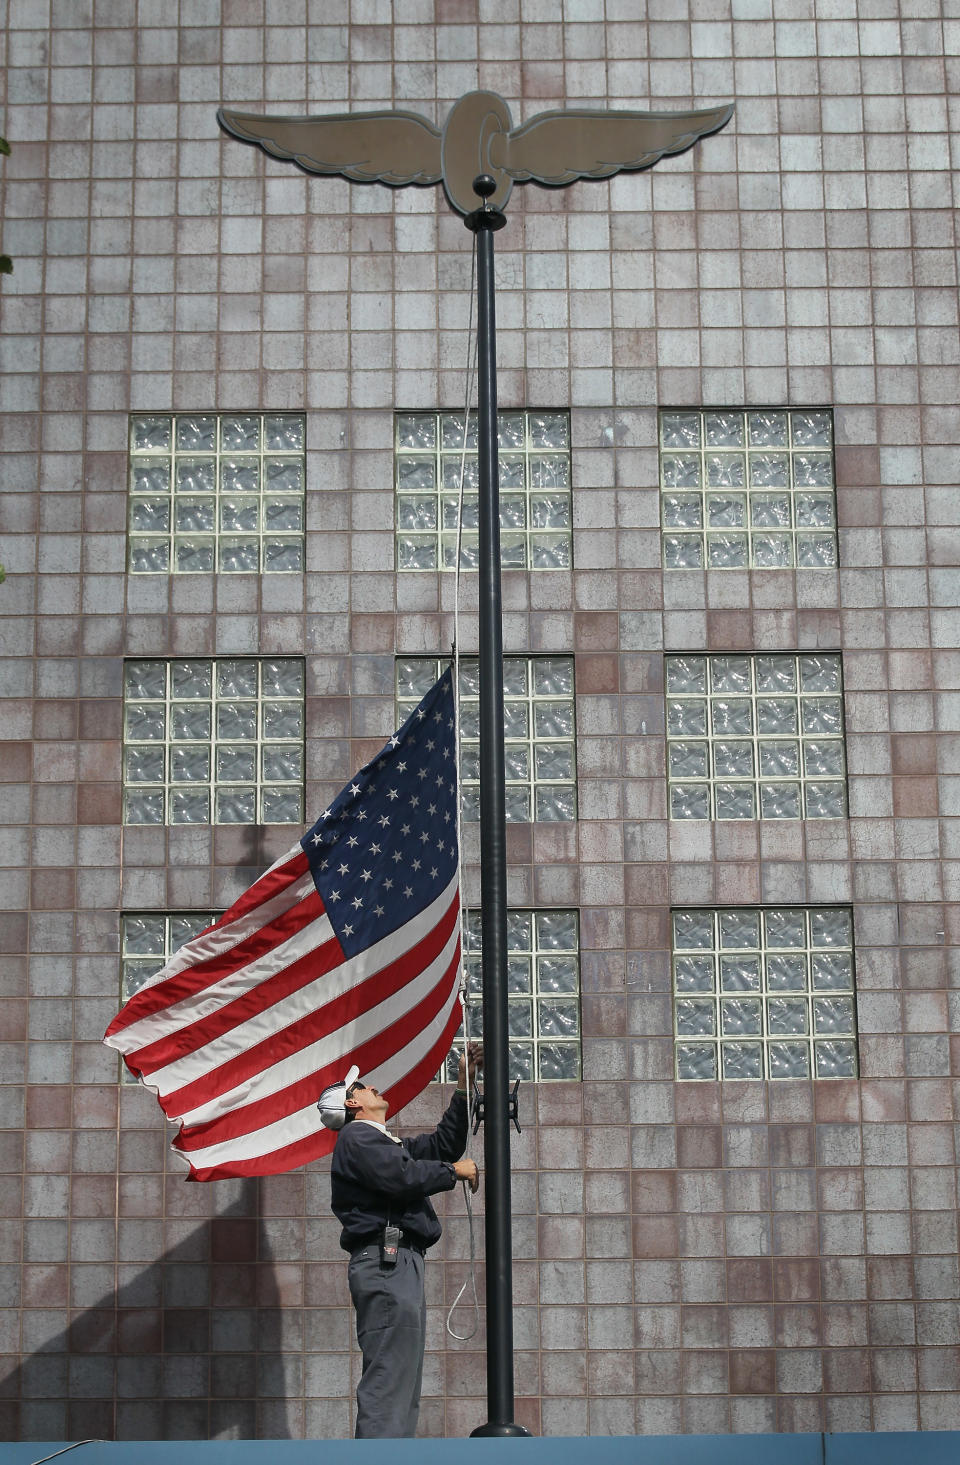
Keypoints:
(391, 1330)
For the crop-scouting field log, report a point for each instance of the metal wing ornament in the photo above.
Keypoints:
(553, 148)
(369, 147)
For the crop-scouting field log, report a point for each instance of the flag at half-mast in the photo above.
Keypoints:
(346, 951)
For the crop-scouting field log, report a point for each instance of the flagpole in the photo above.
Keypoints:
(484, 222)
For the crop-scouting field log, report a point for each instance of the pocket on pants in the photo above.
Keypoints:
(386, 1297)
(371, 1292)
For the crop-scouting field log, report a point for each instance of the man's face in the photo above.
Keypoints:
(365, 1096)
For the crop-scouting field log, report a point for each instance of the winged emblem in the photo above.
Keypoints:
(553, 148)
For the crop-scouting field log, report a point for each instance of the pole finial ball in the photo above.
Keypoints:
(484, 186)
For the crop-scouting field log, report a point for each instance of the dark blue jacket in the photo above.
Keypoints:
(371, 1177)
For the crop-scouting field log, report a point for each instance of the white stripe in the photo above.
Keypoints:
(214, 942)
(317, 995)
(311, 1059)
(234, 984)
(287, 1131)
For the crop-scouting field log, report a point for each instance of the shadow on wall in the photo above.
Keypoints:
(254, 857)
(191, 1349)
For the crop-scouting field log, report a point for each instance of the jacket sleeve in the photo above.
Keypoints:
(449, 1140)
(374, 1161)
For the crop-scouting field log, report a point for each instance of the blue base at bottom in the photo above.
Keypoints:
(940, 1448)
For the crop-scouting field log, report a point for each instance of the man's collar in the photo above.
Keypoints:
(382, 1128)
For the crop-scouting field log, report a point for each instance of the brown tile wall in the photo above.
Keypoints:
(698, 1258)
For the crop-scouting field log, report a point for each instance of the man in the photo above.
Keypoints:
(380, 1189)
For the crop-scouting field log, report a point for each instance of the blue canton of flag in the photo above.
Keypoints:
(387, 845)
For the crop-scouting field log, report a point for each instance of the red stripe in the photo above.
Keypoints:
(314, 1146)
(202, 974)
(270, 883)
(266, 993)
(296, 1096)
(315, 1025)
(413, 1083)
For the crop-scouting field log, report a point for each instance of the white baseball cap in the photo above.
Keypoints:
(332, 1103)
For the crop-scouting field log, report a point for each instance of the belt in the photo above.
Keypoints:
(409, 1243)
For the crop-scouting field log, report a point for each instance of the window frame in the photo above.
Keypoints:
(762, 743)
(260, 784)
(798, 537)
(718, 1036)
(520, 544)
(216, 538)
(156, 961)
(469, 745)
(536, 996)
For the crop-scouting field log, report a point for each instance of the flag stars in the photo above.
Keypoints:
(421, 783)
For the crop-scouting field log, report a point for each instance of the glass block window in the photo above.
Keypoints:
(147, 941)
(535, 501)
(212, 492)
(764, 993)
(213, 741)
(538, 727)
(747, 489)
(543, 984)
(756, 737)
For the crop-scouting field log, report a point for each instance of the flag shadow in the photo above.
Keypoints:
(190, 1348)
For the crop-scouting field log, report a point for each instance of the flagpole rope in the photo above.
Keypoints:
(471, 1279)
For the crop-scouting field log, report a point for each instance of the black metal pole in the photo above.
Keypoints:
(484, 221)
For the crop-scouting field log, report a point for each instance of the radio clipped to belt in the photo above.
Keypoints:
(390, 1244)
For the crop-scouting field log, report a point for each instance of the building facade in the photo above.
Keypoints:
(232, 441)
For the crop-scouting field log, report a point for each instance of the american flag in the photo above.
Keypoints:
(347, 950)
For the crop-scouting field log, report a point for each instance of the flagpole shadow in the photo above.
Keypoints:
(191, 1348)
(254, 858)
